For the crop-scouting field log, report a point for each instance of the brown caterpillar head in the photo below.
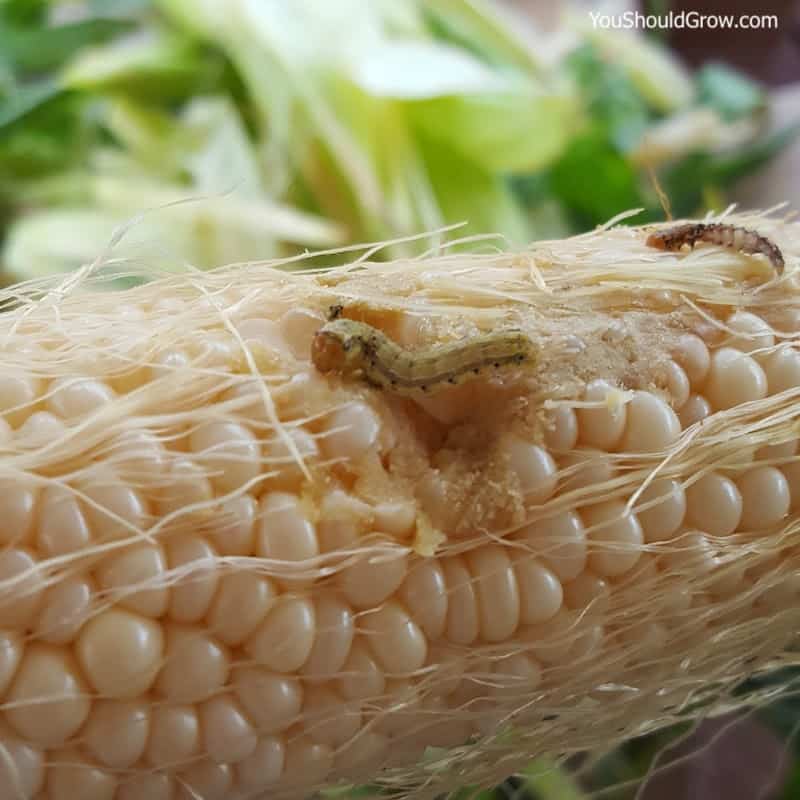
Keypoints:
(332, 353)
(657, 240)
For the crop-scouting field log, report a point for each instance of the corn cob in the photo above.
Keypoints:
(227, 575)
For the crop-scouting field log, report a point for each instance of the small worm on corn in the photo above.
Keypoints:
(350, 347)
(738, 238)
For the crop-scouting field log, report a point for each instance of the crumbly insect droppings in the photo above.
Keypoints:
(349, 347)
(734, 236)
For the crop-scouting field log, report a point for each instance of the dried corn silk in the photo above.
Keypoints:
(231, 572)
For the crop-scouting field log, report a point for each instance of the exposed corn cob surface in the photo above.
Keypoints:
(226, 575)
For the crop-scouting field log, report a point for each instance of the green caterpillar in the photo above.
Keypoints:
(350, 348)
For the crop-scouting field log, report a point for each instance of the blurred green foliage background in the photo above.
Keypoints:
(317, 124)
